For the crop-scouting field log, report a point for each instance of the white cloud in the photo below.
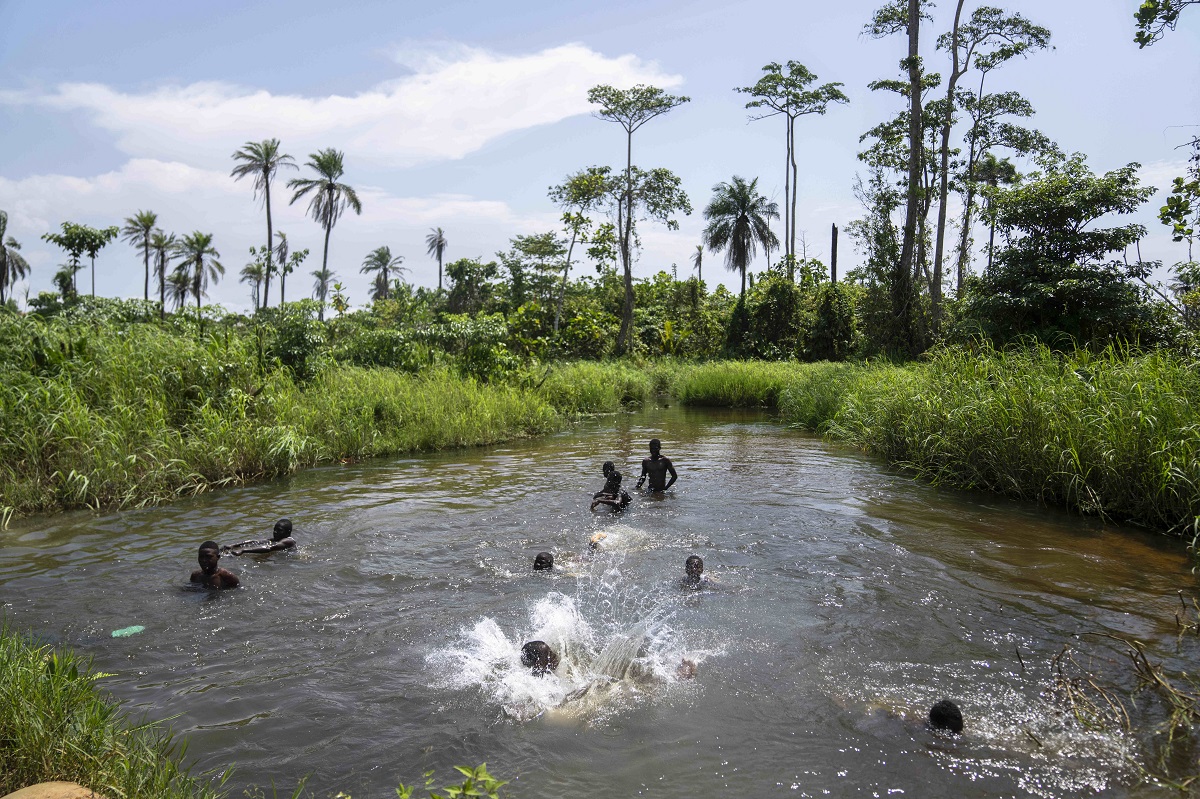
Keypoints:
(188, 198)
(453, 104)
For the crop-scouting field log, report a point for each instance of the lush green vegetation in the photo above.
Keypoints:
(1105, 433)
(112, 413)
(103, 405)
(56, 725)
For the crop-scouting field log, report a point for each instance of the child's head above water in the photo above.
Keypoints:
(539, 657)
(543, 561)
(945, 715)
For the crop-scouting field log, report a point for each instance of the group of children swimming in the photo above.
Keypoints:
(535, 655)
(211, 575)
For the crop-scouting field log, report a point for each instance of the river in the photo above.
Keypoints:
(846, 599)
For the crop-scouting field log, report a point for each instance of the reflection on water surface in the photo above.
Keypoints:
(847, 600)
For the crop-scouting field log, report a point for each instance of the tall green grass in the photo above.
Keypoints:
(734, 384)
(1112, 434)
(94, 416)
(56, 725)
(594, 387)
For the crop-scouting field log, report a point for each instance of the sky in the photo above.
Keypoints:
(461, 115)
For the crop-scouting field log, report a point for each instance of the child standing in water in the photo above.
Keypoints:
(657, 467)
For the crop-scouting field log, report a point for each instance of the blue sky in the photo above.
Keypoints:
(461, 114)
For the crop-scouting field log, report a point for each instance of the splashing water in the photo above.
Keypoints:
(614, 641)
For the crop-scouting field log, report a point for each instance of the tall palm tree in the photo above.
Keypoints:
(738, 221)
(13, 266)
(435, 247)
(698, 260)
(199, 259)
(137, 231)
(179, 286)
(252, 273)
(163, 245)
(262, 160)
(322, 280)
(381, 262)
(329, 197)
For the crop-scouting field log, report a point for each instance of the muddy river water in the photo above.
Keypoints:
(846, 599)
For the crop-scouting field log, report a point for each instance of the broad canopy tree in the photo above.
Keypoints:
(657, 189)
(1050, 279)
(1155, 17)
(788, 94)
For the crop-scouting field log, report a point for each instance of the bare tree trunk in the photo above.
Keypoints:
(625, 335)
(266, 294)
(787, 185)
(935, 296)
(562, 289)
(325, 272)
(795, 181)
(902, 310)
(833, 256)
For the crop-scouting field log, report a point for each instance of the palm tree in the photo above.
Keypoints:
(179, 284)
(380, 261)
(262, 160)
(697, 260)
(329, 197)
(993, 171)
(163, 245)
(435, 247)
(252, 273)
(738, 218)
(137, 231)
(199, 261)
(282, 250)
(321, 283)
(13, 266)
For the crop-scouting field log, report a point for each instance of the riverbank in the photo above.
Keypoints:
(56, 725)
(103, 416)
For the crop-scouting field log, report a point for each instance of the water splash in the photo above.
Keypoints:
(615, 643)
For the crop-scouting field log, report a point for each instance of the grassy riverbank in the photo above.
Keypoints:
(137, 415)
(118, 415)
(55, 725)
(1108, 434)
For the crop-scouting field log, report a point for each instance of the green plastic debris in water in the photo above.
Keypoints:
(125, 632)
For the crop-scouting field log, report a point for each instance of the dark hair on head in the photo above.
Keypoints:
(608, 467)
(539, 656)
(694, 560)
(542, 561)
(655, 443)
(210, 545)
(945, 715)
(283, 528)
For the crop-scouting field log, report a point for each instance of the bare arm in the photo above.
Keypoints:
(642, 478)
(670, 471)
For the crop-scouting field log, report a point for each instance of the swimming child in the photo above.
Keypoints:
(281, 539)
(539, 657)
(694, 577)
(945, 715)
(210, 575)
(543, 561)
(612, 494)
